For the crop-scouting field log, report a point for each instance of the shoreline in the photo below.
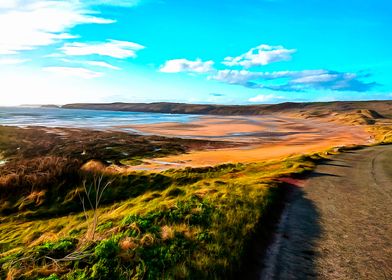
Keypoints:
(258, 139)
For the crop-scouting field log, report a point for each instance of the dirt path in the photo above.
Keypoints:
(339, 222)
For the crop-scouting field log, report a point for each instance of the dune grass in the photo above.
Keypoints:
(194, 223)
(191, 223)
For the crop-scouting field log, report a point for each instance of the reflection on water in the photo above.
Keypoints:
(94, 119)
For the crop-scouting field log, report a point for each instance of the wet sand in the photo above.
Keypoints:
(261, 138)
(239, 128)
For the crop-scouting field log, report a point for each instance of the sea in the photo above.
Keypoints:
(79, 118)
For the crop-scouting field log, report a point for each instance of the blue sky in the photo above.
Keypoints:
(230, 52)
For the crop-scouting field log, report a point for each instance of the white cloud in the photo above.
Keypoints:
(264, 98)
(296, 80)
(244, 76)
(101, 64)
(112, 48)
(12, 61)
(260, 55)
(315, 78)
(184, 65)
(240, 77)
(118, 3)
(73, 72)
(34, 23)
(28, 24)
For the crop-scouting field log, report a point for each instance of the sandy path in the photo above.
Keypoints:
(339, 225)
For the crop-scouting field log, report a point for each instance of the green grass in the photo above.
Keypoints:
(192, 223)
(195, 223)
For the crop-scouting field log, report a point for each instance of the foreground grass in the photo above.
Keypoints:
(195, 223)
(192, 223)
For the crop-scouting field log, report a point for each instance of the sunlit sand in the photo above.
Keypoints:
(260, 138)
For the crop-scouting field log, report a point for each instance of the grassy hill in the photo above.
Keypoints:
(382, 107)
(195, 223)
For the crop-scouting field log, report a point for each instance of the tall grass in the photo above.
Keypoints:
(191, 223)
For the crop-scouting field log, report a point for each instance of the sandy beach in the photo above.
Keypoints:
(261, 138)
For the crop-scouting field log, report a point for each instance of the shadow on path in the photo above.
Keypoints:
(335, 164)
(290, 240)
(299, 232)
(321, 174)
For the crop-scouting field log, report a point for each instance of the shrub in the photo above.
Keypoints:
(51, 277)
(56, 249)
(102, 270)
(106, 249)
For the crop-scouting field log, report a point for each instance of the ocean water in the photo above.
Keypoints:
(93, 119)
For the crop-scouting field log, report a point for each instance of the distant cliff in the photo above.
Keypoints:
(383, 107)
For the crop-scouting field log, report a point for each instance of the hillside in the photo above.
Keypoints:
(194, 223)
(382, 107)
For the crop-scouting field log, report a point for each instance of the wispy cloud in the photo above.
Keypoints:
(236, 77)
(12, 61)
(118, 3)
(28, 24)
(259, 56)
(73, 72)
(111, 48)
(184, 65)
(101, 64)
(297, 80)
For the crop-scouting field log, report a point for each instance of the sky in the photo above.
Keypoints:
(202, 51)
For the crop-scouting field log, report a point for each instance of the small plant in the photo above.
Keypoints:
(93, 193)
(57, 249)
(107, 249)
(51, 277)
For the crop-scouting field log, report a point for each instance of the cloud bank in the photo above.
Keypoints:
(29, 24)
(260, 56)
(296, 80)
(289, 81)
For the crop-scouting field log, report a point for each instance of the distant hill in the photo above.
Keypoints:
(381, 107)
(50, 106)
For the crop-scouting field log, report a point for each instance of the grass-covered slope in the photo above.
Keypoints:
(37, 164)
(192, 223)
(195, 223)
(383, 107)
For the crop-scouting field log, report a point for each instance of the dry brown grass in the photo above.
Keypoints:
(32, 177)
(128, 243)
(167, 232)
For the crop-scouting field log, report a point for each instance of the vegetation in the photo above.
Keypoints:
(37, 165)
(383, 107)
(194, 223)
(61, 221)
